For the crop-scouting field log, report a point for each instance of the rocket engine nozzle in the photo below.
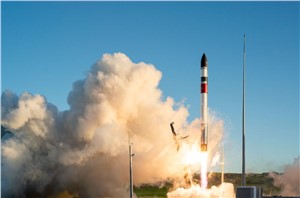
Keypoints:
(203, 147)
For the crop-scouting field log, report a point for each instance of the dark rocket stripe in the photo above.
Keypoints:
(204, 78)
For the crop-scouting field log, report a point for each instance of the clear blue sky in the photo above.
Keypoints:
(46, 46)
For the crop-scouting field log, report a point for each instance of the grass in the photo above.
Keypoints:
(151, 191)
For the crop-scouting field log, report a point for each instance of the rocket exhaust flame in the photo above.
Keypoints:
(203, 171)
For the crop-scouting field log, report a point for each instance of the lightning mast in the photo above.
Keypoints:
(243, 115)
(222, 167)
(130, 166)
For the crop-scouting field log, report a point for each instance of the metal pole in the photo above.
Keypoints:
(130, 170)
(243, 116)
(222, 166)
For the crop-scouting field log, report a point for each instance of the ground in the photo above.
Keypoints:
(260, 180)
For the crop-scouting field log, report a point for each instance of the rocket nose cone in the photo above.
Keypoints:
(204, 61)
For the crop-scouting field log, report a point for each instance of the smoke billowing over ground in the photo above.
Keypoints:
(84, 150)
(289, 181)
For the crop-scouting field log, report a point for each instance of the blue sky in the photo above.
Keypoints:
(46, 46)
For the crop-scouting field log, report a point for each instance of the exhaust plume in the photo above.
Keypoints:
(84, 150)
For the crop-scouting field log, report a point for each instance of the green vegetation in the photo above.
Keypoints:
(151, 191)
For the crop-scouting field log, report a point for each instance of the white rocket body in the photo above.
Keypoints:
(204, 92)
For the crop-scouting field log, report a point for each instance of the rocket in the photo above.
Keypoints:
(204, 90)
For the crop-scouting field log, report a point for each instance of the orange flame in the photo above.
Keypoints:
(203, 171)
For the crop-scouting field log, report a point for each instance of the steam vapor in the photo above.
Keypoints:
(289, 181)
(225, 190)
(84, 150)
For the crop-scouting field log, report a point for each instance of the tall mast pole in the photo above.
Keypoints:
(222, 166)
(130, 170)
(243, 115)
(130, 166)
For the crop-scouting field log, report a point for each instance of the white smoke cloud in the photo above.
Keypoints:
(225, 190)
(84, 150)
(31, 112)
(289, 181)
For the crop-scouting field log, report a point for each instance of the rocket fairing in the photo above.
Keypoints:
(204, 90)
